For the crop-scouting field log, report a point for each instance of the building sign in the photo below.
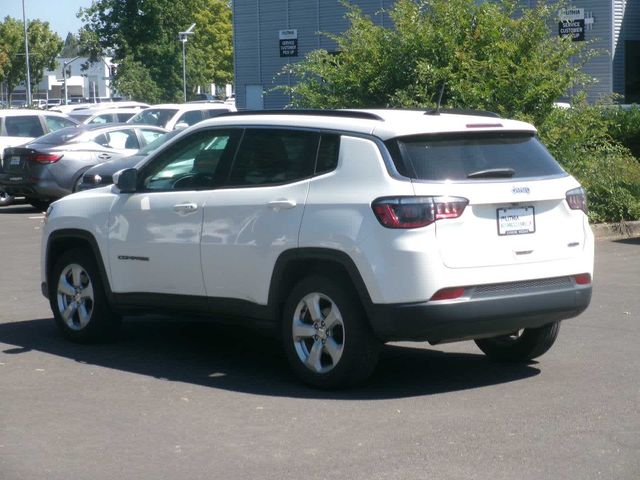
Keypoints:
(289, 43)
(572, 24)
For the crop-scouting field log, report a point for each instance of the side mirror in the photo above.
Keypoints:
(126, 180)
(181, 126)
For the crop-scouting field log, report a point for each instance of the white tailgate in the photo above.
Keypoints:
(506, 223)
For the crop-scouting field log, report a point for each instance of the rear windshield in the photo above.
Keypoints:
(61, 136)
(154, 116)
(473, 156)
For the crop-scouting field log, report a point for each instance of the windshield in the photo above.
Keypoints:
(154, 116)
(465, 156)
(161, 140)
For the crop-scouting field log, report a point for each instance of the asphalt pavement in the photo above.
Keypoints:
(187, 400)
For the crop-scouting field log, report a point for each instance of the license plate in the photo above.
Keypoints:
(516, 221)
(13, 161)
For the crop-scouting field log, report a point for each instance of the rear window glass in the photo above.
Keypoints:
(472, 156)
(61, 136)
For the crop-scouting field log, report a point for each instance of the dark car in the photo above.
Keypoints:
(101, 174)
(48, 167)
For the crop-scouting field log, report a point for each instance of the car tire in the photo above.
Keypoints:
(78, 299)
(326, 336)
(5, 199)
(523, 346)
(41, 205)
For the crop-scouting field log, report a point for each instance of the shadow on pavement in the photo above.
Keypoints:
(245, 361)
(18, 209)
(629, 241)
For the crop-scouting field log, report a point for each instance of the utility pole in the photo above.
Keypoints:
(183, 36)
(26, 53)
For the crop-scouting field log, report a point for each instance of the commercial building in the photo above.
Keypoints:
(269, 34)
(84, 79)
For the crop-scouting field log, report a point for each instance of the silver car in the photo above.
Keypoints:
(48, 167)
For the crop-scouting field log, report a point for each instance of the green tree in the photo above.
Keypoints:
(4, 59)
(488, 55)
(44, 47)
(134, 80)
(71, 46)
(144, 36)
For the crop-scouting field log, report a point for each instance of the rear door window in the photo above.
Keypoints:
(101, 119)
(158, 117)
(123, 117)
(471, 157)
(268, 157)
(119, 140)
(23, 126)
(190, 118)
(216, 111)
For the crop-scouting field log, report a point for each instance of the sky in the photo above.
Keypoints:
(61, 14)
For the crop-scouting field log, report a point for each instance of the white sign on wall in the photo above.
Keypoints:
(288, 42)
(572, 23)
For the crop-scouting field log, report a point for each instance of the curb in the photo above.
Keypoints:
(613, 231)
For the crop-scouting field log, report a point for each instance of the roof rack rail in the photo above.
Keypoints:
(464, 111)
(321, 113)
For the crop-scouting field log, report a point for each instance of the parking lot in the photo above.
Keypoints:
(188, 400)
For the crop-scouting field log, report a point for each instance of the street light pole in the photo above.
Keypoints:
(26, 53)
(184, 69)
(183, 36)
(65, 63)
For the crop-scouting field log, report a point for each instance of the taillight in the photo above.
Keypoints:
(44, 157)
(577, 199)
(416, 212)
(583, 279)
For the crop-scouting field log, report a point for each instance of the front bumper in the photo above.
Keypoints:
(485, 311)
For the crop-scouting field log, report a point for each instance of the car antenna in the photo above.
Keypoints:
(437, 110)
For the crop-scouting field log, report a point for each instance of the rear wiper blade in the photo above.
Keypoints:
(493, 173)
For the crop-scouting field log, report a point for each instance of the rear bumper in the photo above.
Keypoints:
(482, 313)
(23, 185)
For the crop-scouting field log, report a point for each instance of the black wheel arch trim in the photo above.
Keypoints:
(87, 237)
(315, 254)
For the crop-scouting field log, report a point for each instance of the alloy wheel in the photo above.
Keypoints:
(75, 296)
(318, 332)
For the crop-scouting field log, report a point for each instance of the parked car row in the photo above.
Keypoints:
(18, 127)
(45, 154)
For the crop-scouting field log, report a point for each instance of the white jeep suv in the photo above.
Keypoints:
(341, 229)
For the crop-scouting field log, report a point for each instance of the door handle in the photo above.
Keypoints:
(185, 208)
(104, 156)
(282, 204)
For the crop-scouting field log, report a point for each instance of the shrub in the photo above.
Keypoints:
(581, 141)
(624, 126)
